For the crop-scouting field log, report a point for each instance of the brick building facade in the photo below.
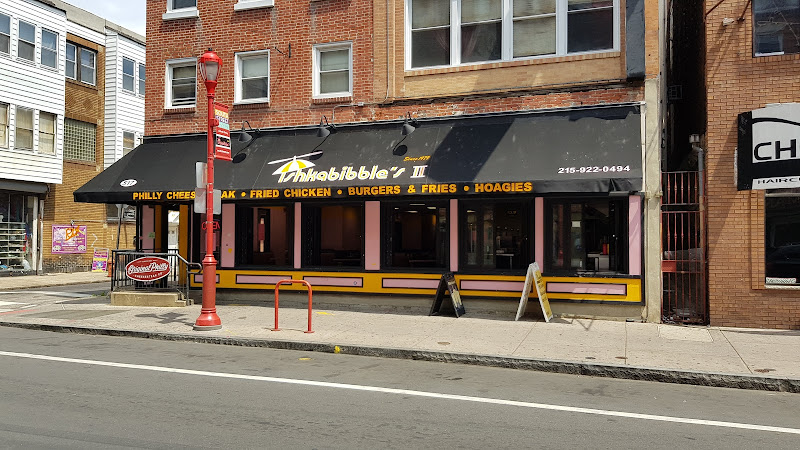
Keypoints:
(744, 72)
(285, 49)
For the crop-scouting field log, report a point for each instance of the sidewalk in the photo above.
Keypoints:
(727, 357)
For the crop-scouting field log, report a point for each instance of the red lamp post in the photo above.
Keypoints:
(210, 65)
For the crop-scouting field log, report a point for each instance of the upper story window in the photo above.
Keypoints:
(87, 73)
(128, 142)
(181, 83)
(333, 70)
(141, 79)
(49, 56)
(180, 9)
(5, 34)
(252, 77)
(181, 4)
(128, 80)
(776, 27)
(88, 67)
(453, 32)
(47, 133)
(23, 128)
(252, 4)
(26, 43)
(4, 125)
(80, 140)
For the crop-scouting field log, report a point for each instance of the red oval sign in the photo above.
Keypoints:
(149, 268)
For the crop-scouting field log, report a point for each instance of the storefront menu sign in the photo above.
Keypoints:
(448, 283)
(534, 276)
(69, 239)
(769, 148)
(222, 142)
(100, 260)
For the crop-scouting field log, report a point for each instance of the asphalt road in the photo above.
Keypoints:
(77, 391)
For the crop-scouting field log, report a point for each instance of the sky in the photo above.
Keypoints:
(128, 13)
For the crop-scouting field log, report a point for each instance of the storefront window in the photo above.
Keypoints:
(782, 233)
(264, 235)
(417, 235)
(494, 235)
(587, 236)
(333, 236)
(16, 215)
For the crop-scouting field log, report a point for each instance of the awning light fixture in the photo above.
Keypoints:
(325, 129)
(409, 125)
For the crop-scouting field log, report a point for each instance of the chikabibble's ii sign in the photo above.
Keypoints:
(769, 148)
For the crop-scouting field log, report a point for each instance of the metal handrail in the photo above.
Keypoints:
(177, 279)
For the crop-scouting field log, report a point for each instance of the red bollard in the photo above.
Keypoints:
(277, 285)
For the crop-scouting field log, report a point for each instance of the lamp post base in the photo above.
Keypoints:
(208, 321)
(206, 328)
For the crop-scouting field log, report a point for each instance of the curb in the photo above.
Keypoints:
(541, 365)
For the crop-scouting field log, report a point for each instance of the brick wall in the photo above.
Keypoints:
(738, 82)
(548, 83)
(84, 103)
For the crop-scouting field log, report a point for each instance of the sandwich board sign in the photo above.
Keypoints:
(448, 283)
(534, 277)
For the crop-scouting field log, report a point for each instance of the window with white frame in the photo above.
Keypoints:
(252, 4)
(23, 128)
(776, 27)
(4, 125)
(453, 32)
(128, 142)
(47, 133)
(71, 61)
(141, 78)
(128, 80)
(181, 83)
(80, 140)
(5, 34)
(26, 42)
(88, 67)
(333, 70)
(49, 55)
(172, 5)
(252, 77)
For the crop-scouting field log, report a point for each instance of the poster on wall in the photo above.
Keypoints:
(100, 260)
(69, 239)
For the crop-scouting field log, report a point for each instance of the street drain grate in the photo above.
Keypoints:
(72, 314)
(764, 370)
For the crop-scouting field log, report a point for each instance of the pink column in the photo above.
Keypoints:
(538, 232)
(148, 228)
(298, 235)
(635, 234)
(453, 235)
(372, 235)
(228, 249)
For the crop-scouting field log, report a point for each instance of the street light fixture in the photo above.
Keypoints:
(210, 65)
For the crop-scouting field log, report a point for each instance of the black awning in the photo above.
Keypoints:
(582, 150)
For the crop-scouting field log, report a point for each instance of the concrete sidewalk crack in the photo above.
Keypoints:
(737, 352)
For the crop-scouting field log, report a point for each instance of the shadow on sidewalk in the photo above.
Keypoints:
(169, 318)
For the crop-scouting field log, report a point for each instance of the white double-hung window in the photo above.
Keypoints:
(181, 86)
(180, 9)
(252, 77)
(333, 70)
(453, 32)
(128, 83)
(47, 133)
(49, 56)
(5, 34)
(26, 42)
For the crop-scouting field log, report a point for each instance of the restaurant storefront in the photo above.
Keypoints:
(370, 209)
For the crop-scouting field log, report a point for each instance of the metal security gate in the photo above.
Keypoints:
(683, 266)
